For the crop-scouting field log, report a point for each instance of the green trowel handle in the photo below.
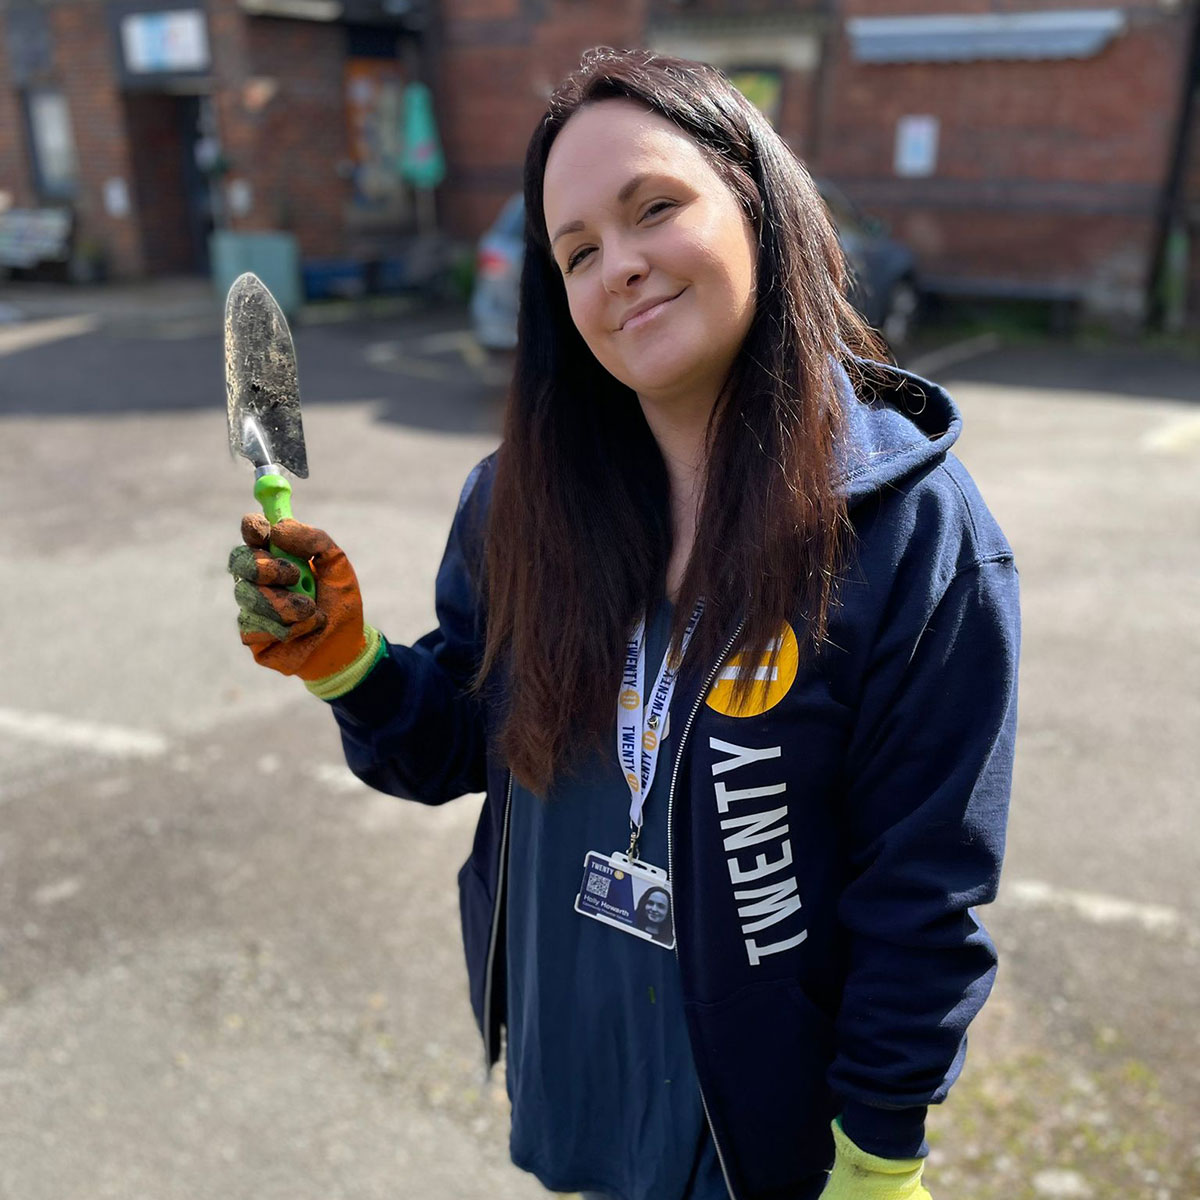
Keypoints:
(274, 493)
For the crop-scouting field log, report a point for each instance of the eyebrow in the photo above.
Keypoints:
(627, 190)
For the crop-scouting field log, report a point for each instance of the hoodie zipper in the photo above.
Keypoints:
(671, 866)
(498, 904)
(502, 878)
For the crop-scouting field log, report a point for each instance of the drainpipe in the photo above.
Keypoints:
(826, 29)
(1169, 242)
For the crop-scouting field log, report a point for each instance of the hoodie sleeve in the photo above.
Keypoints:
(930, 775)
(412, 728)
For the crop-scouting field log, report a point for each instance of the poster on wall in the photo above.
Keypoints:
(375, 114)
(763, 88)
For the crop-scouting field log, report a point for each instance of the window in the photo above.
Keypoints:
(52, 144)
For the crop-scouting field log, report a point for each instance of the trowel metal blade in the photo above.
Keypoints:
(260, 378)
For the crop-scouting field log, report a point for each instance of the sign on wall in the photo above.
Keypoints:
(916, 146)
(155, 43)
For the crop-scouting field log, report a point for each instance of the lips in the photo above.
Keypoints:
(648, 311)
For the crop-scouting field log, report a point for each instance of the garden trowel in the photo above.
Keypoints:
(263, 397)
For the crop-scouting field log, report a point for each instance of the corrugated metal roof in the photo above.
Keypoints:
(1068, 33)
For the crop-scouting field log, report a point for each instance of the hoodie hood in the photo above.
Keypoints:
(896, 424)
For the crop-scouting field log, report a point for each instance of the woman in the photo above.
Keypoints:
(703, 467)
(654, 915)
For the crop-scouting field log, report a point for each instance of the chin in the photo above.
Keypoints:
(660, 373)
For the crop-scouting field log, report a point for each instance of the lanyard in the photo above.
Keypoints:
(638, 727)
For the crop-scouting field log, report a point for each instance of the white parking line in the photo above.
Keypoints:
(1094, 906)
(113, 741)
(1174, 436)
(39, 333)
(956, 352)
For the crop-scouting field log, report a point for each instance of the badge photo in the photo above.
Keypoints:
(629, 895)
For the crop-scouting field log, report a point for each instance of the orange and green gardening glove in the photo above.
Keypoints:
(857, 1175)
(324, 641)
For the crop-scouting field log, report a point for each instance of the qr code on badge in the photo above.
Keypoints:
(597, 885)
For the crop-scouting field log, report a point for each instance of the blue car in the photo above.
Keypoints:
(885, 288)
(884, 273)
(498, 278)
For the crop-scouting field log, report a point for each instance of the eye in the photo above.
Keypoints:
(657, 207)
(577, 258)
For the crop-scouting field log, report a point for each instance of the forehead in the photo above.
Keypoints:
(603, 145)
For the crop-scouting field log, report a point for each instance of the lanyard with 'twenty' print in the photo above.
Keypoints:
(640, 727)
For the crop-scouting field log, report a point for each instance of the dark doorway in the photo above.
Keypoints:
(173, 198)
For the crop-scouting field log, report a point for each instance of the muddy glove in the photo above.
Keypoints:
(324, 641)
(858, 1175)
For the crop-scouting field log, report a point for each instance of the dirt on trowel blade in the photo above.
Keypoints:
(260, 378)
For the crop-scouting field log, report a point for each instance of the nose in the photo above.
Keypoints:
(624, 266)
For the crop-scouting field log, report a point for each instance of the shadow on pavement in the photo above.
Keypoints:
(1133, 371)
(421, 372)
(123, 370)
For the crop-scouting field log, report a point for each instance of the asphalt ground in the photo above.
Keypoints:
(227, 969)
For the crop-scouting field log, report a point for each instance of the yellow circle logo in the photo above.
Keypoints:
(629, 699)
(649, 740)
(618, 874)
(773, 674)
(633, 781)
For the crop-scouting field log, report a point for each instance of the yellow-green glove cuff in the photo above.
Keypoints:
(348, 678)
(858, 1175)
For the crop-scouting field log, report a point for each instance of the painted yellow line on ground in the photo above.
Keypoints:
(112, 741)
(16, 338)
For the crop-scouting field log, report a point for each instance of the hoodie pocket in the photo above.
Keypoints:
(762, 1055)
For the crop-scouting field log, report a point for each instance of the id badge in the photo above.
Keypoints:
(629, 895)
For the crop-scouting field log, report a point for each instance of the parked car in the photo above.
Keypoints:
(884, 290)
(884, 273)
(498, 278)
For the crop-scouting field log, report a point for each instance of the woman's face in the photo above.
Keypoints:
(656, 254)
(656, 907)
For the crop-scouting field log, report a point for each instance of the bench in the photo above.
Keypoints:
(30, 237)
(1064, 300)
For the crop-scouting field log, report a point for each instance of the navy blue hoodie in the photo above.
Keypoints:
(827, 845)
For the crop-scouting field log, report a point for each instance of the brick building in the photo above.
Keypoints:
(155, 119)
(1020, 147)
(513, 51)
(1018, 152)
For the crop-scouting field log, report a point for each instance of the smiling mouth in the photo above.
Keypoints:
(650, 313)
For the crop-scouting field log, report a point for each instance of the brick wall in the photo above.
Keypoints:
(84, 63)
(302, 135)
(497, 62)
(1047, 172)
(81, 65)
(231, 71)
(280, 107)
(742, 8)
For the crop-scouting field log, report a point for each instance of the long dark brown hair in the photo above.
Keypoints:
(579, 531)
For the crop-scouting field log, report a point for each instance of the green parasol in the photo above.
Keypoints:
(421, 163)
